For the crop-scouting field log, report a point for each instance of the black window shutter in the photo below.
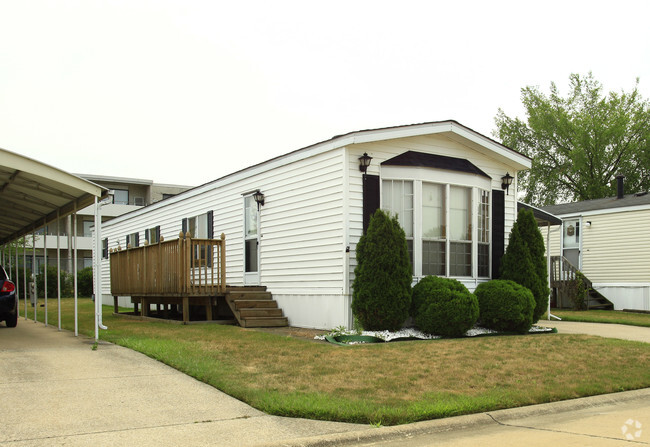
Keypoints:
(370, 198)
(157, 233)
(498, 225)
(105, 248)
(184, 226)
(137, 239)
(127, 241)
(210, 225)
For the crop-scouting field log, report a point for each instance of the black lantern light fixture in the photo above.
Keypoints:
(258, 196)
(364, 162)
(506, 181)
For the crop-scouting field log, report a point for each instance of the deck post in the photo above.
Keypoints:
(115, 307)
(186, 310)
(223, 263)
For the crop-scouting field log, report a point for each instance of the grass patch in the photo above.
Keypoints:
(387, 383)
(603, 316)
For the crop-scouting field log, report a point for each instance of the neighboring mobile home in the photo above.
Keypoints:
(608, 240)
(444, 181)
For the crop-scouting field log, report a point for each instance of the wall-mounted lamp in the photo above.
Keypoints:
(258, 196)
(506, 181)
(364, 162)
(588, 224)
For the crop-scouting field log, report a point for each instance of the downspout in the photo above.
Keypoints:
(97, 269)
(548, 266)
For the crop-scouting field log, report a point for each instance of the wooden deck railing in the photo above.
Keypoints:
(562, 270)
(181, 267)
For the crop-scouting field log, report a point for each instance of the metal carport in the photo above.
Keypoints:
(34, 195)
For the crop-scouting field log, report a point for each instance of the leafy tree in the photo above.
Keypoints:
(579, 143)
(518, 265)
(381, 297)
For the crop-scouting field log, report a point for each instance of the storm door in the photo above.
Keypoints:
(251, 242)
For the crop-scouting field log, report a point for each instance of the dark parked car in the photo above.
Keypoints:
(8, 300)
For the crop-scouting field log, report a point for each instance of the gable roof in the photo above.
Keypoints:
(421, 159)
(609, 203)
(450, 129)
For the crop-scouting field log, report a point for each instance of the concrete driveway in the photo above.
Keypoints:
(55, 390)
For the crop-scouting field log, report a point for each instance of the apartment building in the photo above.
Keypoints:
(129, 194)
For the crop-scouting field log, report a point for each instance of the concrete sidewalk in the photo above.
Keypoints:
(624, 332)
(55, 390)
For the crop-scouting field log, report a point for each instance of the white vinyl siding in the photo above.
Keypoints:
(301, 224)
(616, 247)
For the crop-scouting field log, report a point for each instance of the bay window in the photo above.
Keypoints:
(447, 223)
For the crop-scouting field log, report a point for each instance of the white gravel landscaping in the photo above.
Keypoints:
(415, 333)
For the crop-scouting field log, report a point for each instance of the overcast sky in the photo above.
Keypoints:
(184, 92)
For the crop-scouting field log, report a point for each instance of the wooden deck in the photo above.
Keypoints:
(563, 278)
(185, 279)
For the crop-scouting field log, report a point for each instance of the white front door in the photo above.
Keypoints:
(251, 242)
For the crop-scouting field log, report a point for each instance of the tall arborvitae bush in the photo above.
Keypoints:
(381, 297)
(524, 261)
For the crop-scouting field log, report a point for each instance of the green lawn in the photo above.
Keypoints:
(603, 316)
(390, 383)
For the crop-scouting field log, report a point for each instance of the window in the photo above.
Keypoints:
(447, 224)
(397, 198)
(105, 248)
(152, 235)
(434, 231)
(460, 234)
(121, 196)
(88, 226)
(132, 240)
(200, 227)
(484, 234)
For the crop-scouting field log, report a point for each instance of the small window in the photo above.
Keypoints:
(121, 196)
(133, 240)
(105, 248)
(152, 235)
(88, 228)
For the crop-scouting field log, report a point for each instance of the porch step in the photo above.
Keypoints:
(255, 307)
(247, 304)
(260, 312)
(266, 322)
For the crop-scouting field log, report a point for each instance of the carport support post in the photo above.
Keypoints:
(33, 274)
(25, 273)
(58, 264)
(45, 270)
(74, 272)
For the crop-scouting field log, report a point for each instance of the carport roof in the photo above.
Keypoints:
(33, 194)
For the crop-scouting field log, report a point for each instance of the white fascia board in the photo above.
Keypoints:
(604, 211)
(109, 179)
(518, 161)
(52, 174)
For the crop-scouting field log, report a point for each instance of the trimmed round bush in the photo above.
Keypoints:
(448, 311)
(505, 306)
(430, 286)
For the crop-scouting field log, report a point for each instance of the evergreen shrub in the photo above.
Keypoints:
(429, 286)
(381, 296)
(524, 261)
(505, 306)
(446, 307)
(52, 285)
(85, 282)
